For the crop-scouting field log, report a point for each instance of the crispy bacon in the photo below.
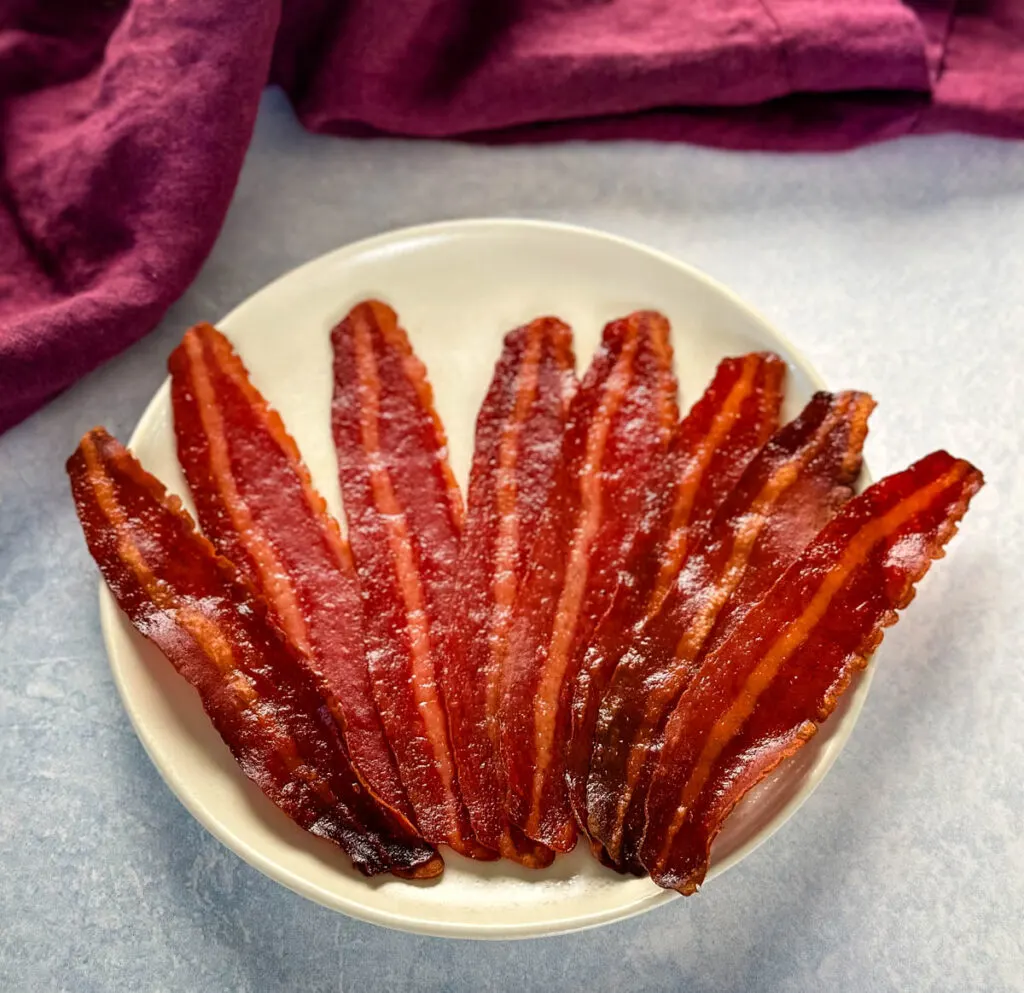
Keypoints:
(256, 502)
(262, 697)
(619, 425)
(763, 692)
(404, 516)
(515, 459)
(710, 448)
(787, 493)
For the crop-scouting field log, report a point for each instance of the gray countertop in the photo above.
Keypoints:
(898, 269)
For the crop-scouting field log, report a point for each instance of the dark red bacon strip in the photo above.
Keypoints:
(763, 692)
(619, 426)
(256, 502)
(261, 695)
(515, 460)
(787, 493)
(404, 518)
(710, 448)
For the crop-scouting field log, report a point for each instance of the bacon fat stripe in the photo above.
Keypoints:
(619, 425)
(404, 516)
(710, 448)
(787, 493)
(259, 692)
(763, 692)
(256, 502)
(515, 459)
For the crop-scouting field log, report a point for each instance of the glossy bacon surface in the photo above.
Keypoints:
(258, 691)
(709, 450)
(763, 692)
(620, 423)
(515, 459)
(256, 502)
(786, 494)
(404, 516)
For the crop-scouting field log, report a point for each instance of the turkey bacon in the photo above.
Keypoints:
(515, 460)
(619, 425)
(763, 692)
(261, 695)
(404, 515)
(256, 502)
(709, 450)
(785, 495)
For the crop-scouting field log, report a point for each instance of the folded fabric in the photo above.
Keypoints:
(123, 128)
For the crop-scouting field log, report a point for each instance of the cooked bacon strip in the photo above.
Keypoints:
(787, 493)
(763, 692)
(262, 697)
(515, 459)
(404, 517)
(256, 502)
(710, 448)
(619, 425)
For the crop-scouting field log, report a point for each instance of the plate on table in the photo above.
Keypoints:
(457, 287)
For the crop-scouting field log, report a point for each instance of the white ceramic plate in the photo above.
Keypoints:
(457, 288)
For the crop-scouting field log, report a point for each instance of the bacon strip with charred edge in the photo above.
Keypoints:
(786, 494)
(515, 459)
(760, 696)
(710, 448)
(404, 517)
(256, 502)
(258, 691)
(620, 423)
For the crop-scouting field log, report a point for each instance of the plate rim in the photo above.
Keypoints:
(111, 618)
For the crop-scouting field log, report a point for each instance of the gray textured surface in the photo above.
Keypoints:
(898, 269)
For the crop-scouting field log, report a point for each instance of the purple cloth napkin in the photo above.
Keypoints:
(124, 126)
